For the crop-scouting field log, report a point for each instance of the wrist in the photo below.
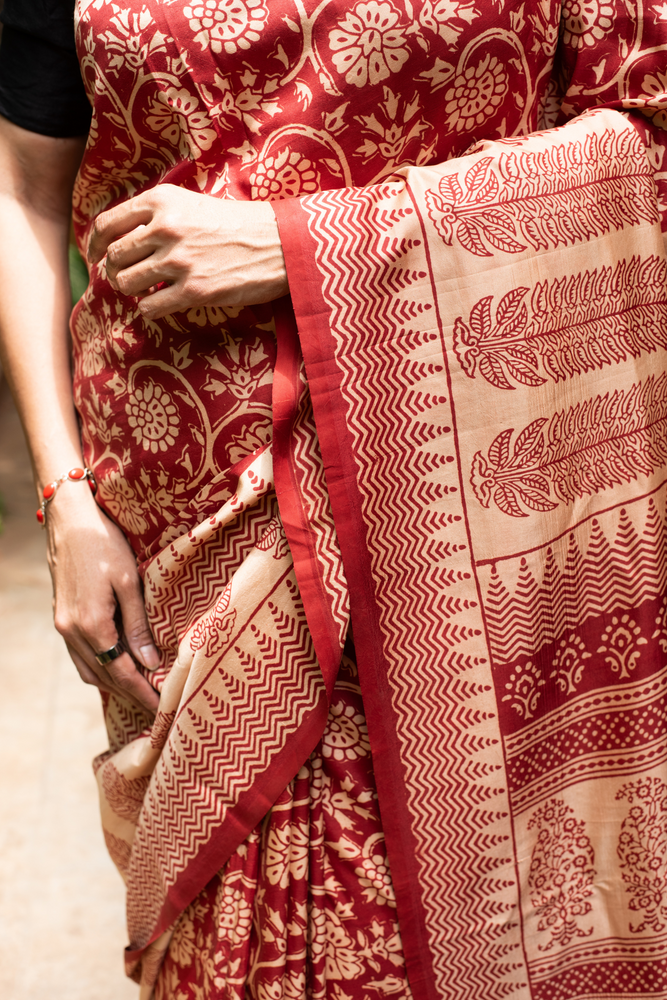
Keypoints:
(51, 469)
(78, 476)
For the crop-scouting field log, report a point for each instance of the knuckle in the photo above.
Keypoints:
(167, 226)
(63, 623)
(126, 582)
(138, 633)
(122, 680)
(101, 224)
(93, 626)
(180, 261)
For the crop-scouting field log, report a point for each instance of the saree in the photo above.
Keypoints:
(455, 431)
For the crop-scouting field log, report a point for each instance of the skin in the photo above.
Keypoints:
(206, 251)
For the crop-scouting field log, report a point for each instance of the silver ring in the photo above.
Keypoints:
(109, 655)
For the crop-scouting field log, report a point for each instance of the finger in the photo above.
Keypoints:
(139, 278)
(127, 679)
(136, 631)
(142, 695)
(130, 249)
(166, 300)
(121, 674)
(86, 673)
(117, 222)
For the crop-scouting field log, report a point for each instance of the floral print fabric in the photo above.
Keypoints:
(305, 907)
(245, 99)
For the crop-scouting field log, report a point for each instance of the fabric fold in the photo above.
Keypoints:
(242, 705)
(485, 350)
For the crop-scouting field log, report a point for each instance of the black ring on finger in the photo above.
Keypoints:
(109, 655)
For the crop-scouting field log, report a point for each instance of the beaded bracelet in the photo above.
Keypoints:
(50, 490)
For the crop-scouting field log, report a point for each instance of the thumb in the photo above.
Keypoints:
(135, 625)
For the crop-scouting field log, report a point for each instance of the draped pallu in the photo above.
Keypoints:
(484, 343)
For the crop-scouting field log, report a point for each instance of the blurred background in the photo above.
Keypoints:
(62, 920)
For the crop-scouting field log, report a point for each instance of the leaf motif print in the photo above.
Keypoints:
(575, 324)
(450, 188)
(510, 306)
(480, 182)
(274, 540)
(521, 371)
(559, 197)
(455, 211)
(470, 238)
(492, 370)
(604, 441)
(499, 234)
(162, 728)
(124, 795)
(499, 452)
(119, 851)
(507, 499)
(528, 445)
(441, 16)
(480, 315)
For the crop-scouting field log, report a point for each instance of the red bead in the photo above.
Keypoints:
(40, 516)
(49, 490)
(93, 486)
(76, 473)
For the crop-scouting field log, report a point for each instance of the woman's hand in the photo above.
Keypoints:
(94, 575)
(209, 251)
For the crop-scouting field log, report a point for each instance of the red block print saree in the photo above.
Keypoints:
(454, 432)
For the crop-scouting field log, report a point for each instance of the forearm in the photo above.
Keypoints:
(33, 325)
(35, 296)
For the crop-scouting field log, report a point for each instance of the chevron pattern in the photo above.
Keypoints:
(223, 738)
(200, 566)
(124, 721)
(411, 494)
(242, 685)
(534, 612)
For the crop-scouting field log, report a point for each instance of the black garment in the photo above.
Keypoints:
(40, 83)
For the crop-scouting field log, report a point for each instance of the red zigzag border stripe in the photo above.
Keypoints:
(443, 823)
(190, 793)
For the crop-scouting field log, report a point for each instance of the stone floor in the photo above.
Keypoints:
(61, 900)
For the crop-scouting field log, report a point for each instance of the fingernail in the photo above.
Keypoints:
(149, 657)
